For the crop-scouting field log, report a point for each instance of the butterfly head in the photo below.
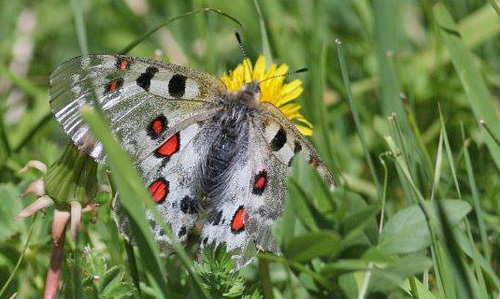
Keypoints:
(248, 94)
(251, 91)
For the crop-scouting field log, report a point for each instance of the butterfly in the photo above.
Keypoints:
(210, 156)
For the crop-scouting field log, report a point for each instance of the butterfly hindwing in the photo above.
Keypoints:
(168, 173)
(132, 93)
(175, 166)
(253, 200)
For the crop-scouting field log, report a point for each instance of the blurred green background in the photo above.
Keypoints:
(374, 106)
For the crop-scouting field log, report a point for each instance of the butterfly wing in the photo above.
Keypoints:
(232, 215)
(157, 111)
(256, 193)
(285, 141)
(169, 174)
(146, 101)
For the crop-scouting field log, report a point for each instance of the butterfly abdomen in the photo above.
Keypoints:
(230, 139)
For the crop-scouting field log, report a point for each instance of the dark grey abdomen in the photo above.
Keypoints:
(231, 138)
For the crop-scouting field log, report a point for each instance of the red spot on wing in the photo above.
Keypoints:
(112, 86)
(260, 182)
(124, 64)
(314, 161)
(157, 126)
(169, 147)
(159, 190)
(238, 222)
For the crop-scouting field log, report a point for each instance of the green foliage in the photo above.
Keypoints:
(102, 281)
(390, 230)
(407, 231)
(220, 279)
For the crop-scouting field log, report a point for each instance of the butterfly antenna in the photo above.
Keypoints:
(302, 70)
(242, 50)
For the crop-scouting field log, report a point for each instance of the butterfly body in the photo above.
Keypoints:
(208, 155)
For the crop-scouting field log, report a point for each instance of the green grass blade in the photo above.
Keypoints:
(463, 284)
(449, 154)
(399, 143)
(131, 189)
(267, 285)
(477, 267)
(77, 290)
(495, 6)
(471, 251)
(77, 6)
(437, 170)
(386, 33)
(478, 210)
(479, 97)
(3, 133)
(21, 257)
(266, 47)
(33, 131)
(357, 121)
(132, 263)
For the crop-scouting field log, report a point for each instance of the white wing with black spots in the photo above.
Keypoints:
(206, 155)
(170, 175)
(132, 93)
(253, 201)
(285, 141)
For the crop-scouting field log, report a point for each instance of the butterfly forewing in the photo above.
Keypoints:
(132, 93)
(285, 141)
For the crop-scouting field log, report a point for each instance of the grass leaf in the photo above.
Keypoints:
(472, 81)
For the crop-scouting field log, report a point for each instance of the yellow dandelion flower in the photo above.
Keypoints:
(274, 91)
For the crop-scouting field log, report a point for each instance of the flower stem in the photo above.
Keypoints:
(55, 269)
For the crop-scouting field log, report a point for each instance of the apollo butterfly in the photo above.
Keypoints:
(209, 152)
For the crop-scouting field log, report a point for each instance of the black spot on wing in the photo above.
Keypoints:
(278, 140)
(217, 218)
(177, 86)
(144, 80)
(182, 231)
(188, 205)
(296, 149)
